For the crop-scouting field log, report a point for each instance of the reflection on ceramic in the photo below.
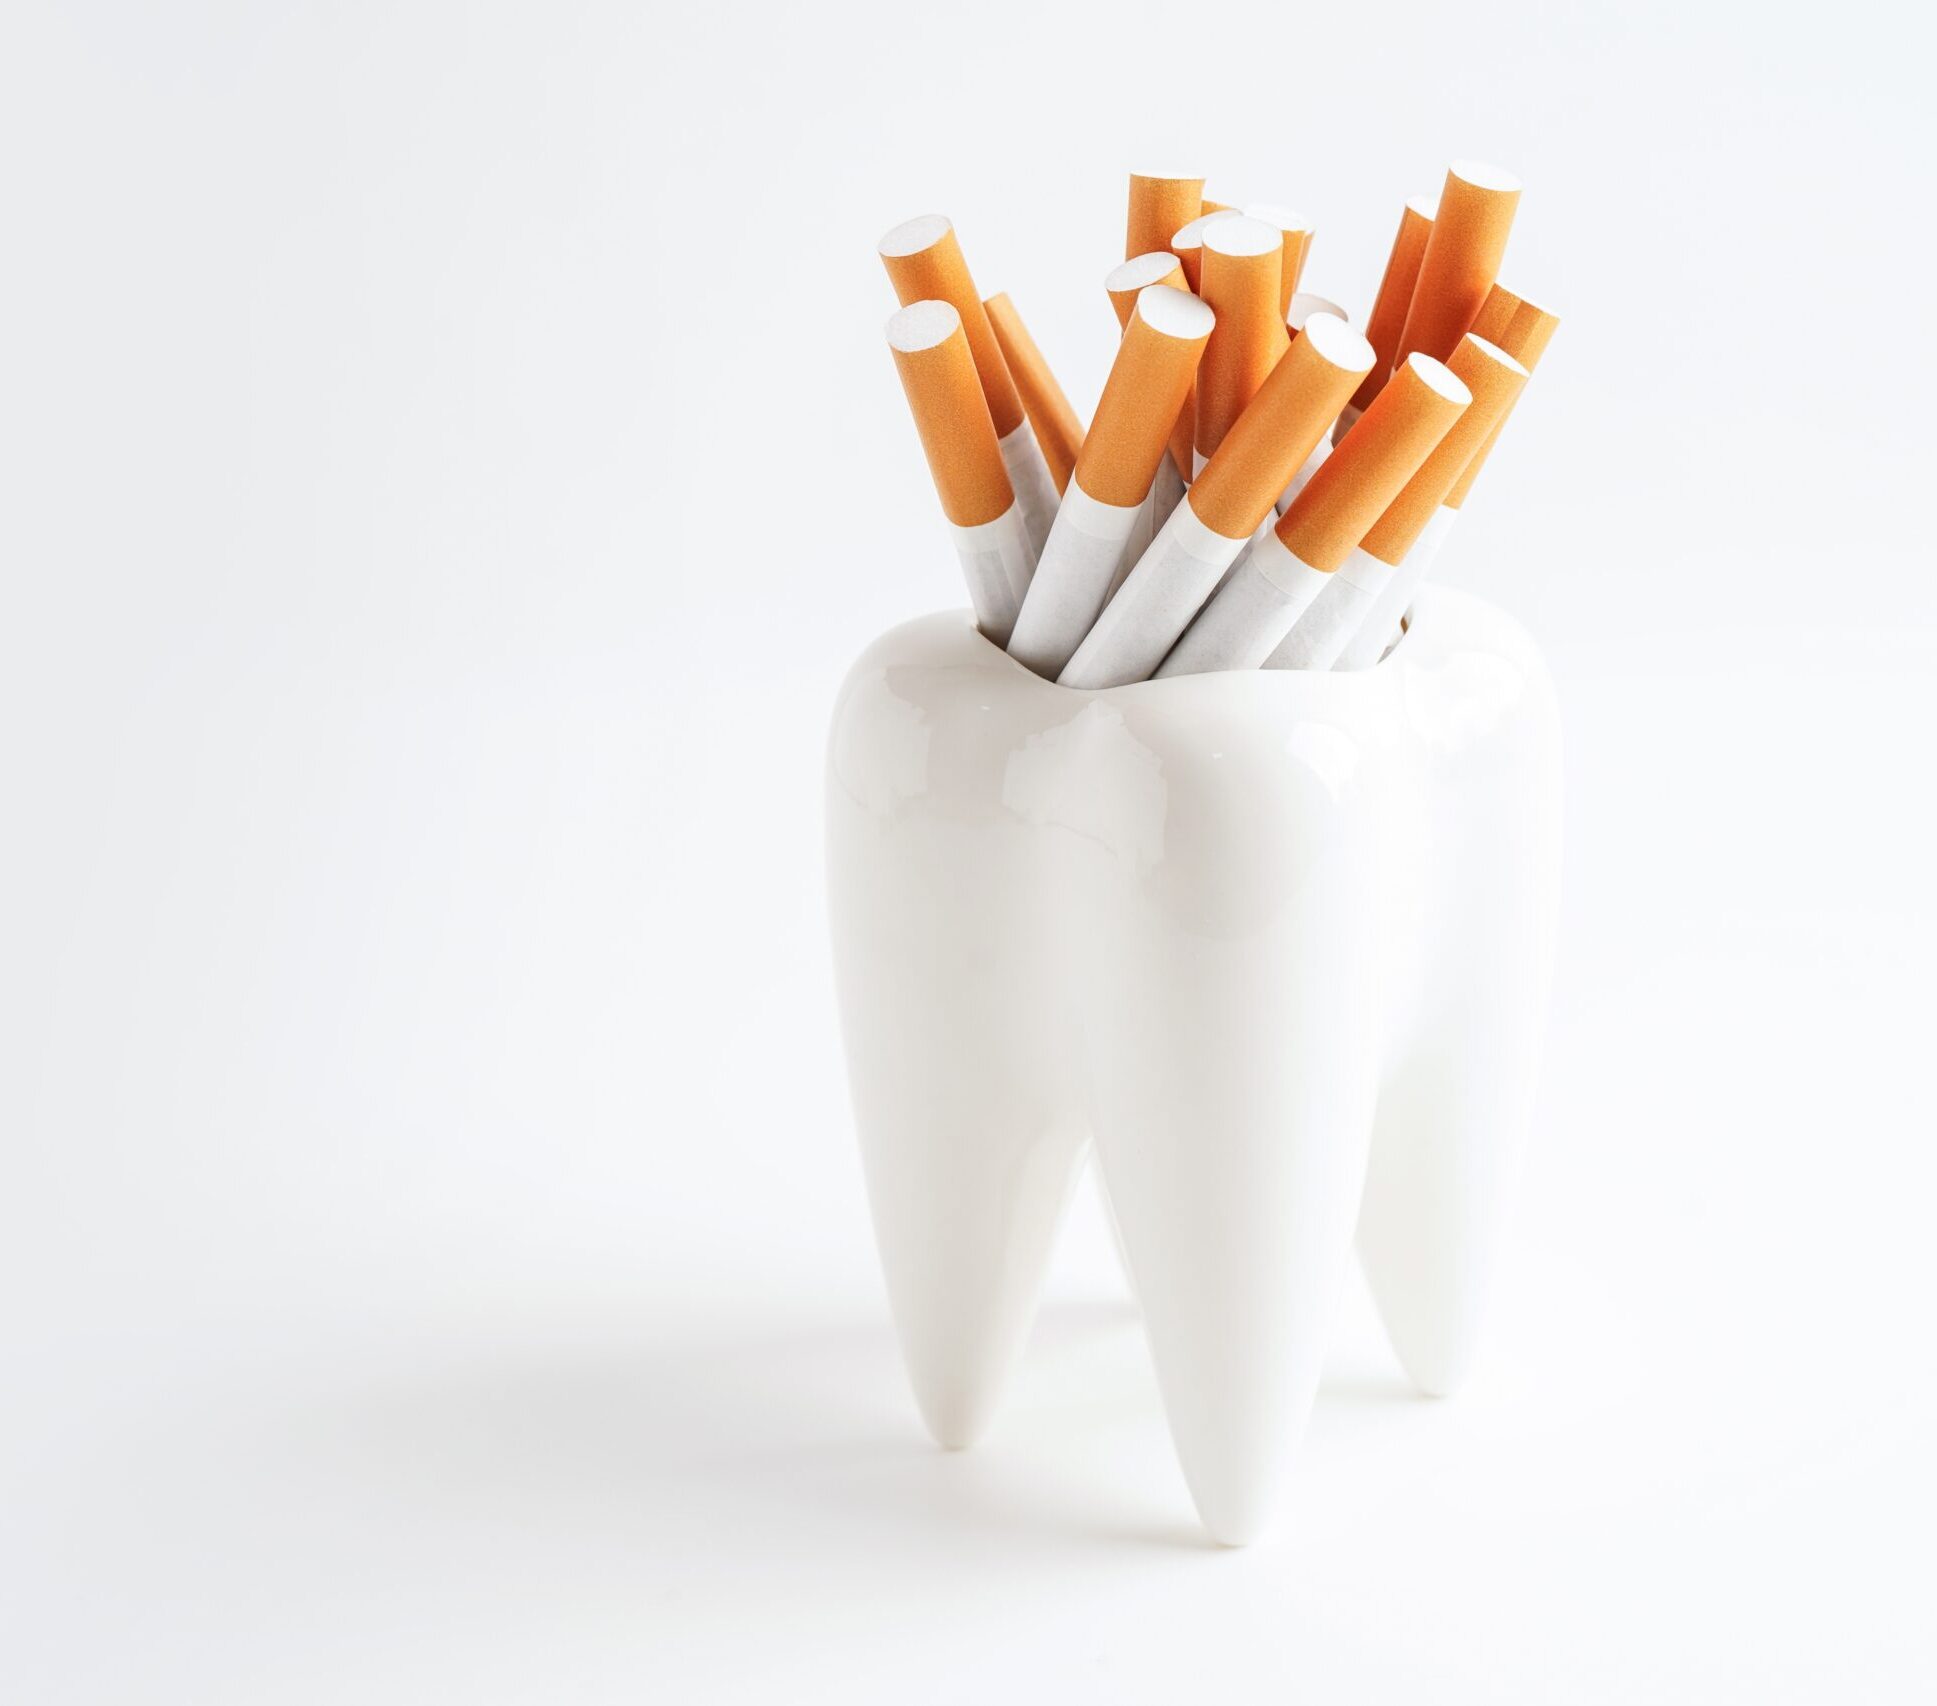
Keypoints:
(1277, 942)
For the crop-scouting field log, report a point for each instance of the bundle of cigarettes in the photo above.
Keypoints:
(1260, 485)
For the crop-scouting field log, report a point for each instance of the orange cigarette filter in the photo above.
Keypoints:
(1462, 258)
(1524, 329)
(1159, 207)
(1292, 411)
(1217, 207)
(1304, 305)
(1296, 233)
(1372, 463)
(1058, 428)
(1148, 382)
(938, 373)
(1394, 301)
(1494, 378)
(925, 264)
(1519, 327)
(1242, 260)
(1125, 283)
(1187, 243)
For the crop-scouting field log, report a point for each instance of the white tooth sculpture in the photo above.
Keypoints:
(1277, 941)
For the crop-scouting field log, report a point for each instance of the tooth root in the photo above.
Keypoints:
(1232, 1065)
(1234, 1171)
(968, 1191)
(1453, 1115)
(1445, 1155)
(937, 903)
(968, 1172)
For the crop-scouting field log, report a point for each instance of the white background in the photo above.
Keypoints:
(449, 459)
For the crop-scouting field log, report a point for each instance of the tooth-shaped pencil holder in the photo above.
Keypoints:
(1276, 943)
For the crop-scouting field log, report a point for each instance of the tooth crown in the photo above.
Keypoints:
(1277, 941)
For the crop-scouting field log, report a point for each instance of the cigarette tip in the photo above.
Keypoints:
(912, 236)
(921, 326)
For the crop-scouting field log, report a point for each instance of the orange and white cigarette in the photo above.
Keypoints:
(1161, 348)
(925, 264)
(1187, 242)
(1385, 558)
(1058, 428)
(1387, 321)
(937, 369)
(1523, 330)
(1283, 573)
(1159, 206)
(1124, 284)
(1242, 258)
(1296, 234)
(1303, 306)
(1462, 257)
(1222, 510)
(1129, 279)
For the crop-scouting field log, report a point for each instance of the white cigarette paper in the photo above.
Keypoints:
(1078, 568)
(1320, 633)
(1380, 627)
(1251, 613)
(996, 559)
(1304, 304)
(1164, 591)
(1035, 488)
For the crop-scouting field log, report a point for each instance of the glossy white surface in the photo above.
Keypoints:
(1241, 930)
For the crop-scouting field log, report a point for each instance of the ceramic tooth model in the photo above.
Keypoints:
(1277, 943)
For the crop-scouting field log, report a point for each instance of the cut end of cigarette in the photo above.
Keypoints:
(1278, 218)
(1175, 313)
(1493, 352)
(1304, 305)
(1340, 345)
(923, 325)
(1140, 271)
(1239, 234)
(1426, 206)
(913, 236)
(1440, 377)
(1191, 236)
(1484, 177)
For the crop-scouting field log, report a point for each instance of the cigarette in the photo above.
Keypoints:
(1166, 493)
(937, 369)
(1346, 497)
(1187, 242)
(1222, 510)
(925, 264)
(1296, 235)
(1129, 279)
(1387, 320)
(1523, 329)
(1159, 206)
(1303, 306)
(1241, 264)
(1495, 379)
(1383, 566)
(1057, 426)
(1462, 258)
(1124, 283)
(1154, 363)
